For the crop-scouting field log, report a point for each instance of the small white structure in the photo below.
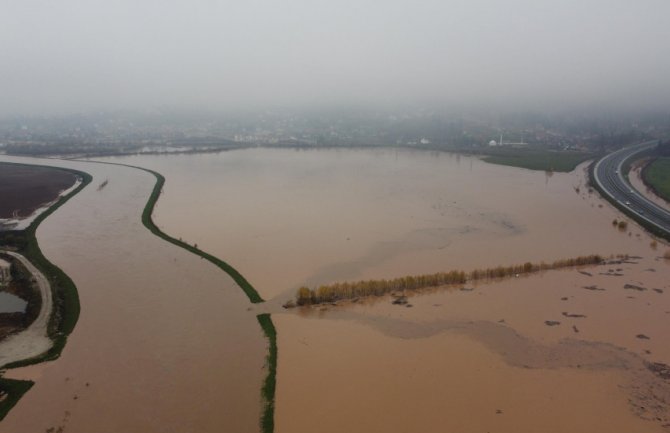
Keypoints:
(5, 271)
(493, 143)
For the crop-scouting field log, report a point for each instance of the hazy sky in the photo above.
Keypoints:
(66, 55)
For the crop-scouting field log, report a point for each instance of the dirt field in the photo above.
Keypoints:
(24, 189)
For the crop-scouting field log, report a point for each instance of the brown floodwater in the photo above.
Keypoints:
(287, 217)
(456, 357)
(561, 351)
(164, 342)
(337, 377)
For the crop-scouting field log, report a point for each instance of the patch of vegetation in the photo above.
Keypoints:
(359, 289)
(656, 175)
(11, 392)
(268, 390)
(148, 222)
(537, 159)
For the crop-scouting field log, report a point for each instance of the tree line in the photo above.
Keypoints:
(358, 289)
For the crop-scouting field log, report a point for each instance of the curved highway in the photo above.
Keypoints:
(607, 174)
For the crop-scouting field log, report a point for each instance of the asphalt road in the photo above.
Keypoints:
(607, 174)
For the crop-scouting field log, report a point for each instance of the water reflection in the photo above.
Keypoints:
(10, 303)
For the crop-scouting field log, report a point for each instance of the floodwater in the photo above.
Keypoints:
(166, 339)
(164, 342)
(287, 217)
(10, 303)
(561, 351)
(457, 357)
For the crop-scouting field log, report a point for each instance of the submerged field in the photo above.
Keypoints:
(160, 329)
(548, 352)
(286, 218)
(572, 350)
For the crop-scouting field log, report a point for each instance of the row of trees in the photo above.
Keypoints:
(358, 289)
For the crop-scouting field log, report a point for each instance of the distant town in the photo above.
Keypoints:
(477, 132)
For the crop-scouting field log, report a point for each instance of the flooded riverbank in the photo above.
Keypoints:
(559, 351)
(286, 218)
(565, 351)
(164, 341)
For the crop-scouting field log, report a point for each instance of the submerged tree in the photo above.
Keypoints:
(350, 290)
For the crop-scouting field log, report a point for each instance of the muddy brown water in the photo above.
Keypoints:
(287, 217)
(164, 342)
(165, 331)
(473, 360)
(484, 359)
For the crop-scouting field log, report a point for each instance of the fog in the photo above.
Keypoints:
(78, 55)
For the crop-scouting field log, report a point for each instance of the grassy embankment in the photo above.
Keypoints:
(268, 390)
(656, 175)
(265, 321)
(148, 222)
(65, 299)
(536, 159)
(14, 390)
(359, 289)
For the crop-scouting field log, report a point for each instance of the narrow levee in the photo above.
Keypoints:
(265, 320)
(159, 328)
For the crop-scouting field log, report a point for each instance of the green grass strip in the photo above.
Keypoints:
(14, 390)
(537, 160)
(656, 175)
(265, 321)
(148, 222)
(268, 390)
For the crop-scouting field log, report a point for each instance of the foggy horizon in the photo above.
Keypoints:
(80, 55)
